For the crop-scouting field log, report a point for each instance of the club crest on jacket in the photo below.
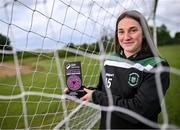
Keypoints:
(133, 79)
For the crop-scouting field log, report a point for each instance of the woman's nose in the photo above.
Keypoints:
(127, 36)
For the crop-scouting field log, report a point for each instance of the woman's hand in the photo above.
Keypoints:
(88, 95)
(66, 90)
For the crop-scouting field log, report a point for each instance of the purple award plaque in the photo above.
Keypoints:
(73, 75)
(74, 82)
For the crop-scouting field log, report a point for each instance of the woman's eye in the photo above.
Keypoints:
(133, 30)
(120, 32)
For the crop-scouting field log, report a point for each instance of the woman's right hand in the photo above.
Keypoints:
(88, 95)
(66, 90)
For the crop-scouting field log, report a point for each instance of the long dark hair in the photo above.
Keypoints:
(148, 46)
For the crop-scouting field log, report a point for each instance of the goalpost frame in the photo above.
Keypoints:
(154, 23)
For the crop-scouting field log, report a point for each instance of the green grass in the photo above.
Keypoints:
(47, 112)
(172, 54)
(42, 111)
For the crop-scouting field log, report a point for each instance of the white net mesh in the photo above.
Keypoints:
(44, 34)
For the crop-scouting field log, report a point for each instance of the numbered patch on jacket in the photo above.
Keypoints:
(109, 78)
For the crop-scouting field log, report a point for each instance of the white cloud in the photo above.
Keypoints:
(74, 21)
(168, 14)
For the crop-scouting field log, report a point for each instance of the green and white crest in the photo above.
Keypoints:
(133, 79)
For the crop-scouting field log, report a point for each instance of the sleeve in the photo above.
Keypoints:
(99, 86)
(146, 101)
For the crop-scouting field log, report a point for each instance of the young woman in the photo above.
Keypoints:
(130, 75)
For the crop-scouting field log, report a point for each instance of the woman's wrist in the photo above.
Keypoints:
(90, 97)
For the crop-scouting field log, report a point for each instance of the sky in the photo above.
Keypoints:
(168, 13)
(52, 24)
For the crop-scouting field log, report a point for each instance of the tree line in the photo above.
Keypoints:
(163, 38)
(105, 44)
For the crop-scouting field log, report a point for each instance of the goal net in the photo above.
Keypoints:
(38, 37)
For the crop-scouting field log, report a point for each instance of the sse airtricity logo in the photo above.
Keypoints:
(133, 79)
(68, 66)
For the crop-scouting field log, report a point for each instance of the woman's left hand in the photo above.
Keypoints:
(88, 94)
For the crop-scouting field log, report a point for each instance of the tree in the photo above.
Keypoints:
(163, 35)
(71, 45)
(107, 43)
(177, 38)
(84, 46)
(5, 43)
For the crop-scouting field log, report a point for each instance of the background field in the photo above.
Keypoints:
(172, 54)
(43, 77)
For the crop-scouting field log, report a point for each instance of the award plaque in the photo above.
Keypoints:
(74, 79)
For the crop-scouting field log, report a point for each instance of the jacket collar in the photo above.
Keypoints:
(138, 56)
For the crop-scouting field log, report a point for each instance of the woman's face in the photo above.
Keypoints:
(130, 36)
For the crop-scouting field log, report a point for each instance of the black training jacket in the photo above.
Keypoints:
(132, 84)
